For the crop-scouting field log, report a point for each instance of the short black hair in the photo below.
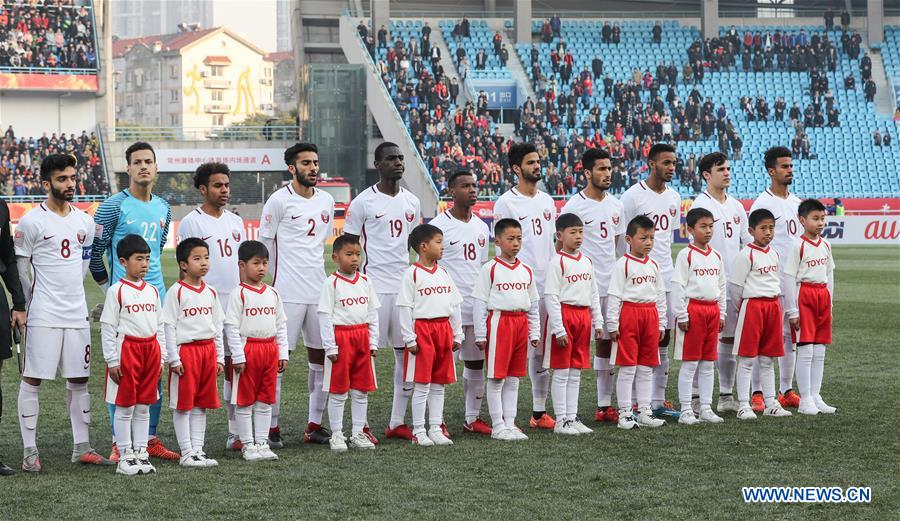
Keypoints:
(344, 240)
(695, 214)
(658, 149)
(131, 244)
(772, 155)
(709, 161)
(503, 224)
(249, 249)
(185, 247)
(591, 156)
(808, 206)
(456, 175)
(206, 170)
(291, 153)
(517, 153)
(759, 215)
(56, 163)
(379, 150)
(640, 222)
(568, 220)
(139, 145)
(422, 233)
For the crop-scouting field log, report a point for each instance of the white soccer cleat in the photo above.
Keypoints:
(688, 418)
(777, 411)
(746, 413)
(265, 452)
(807, 407)
(627, 421)
(727, 404)
(250, 452)
(436, 435)
(565, 427)
(824, 407)
(191, 459)
(128, 464)
(581, 427)
(502, 434)
(420, 438)
(645, 419)
(517, 434)
(361, 441)
(337, 442)
(143, 458)
(708, 416)
(207, 461)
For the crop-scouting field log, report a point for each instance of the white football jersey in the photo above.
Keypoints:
(257, 313)
(810, 261)
(699, 275)
(430, 293)
(756, 270)
(571, 278)
(194, 312)
(787, 223)
(348, 301)
(731, 231)
(133, 309)
(465, 251)
(537, 216)
(383, 224)
(636, 280)
(603, 222)
(224, 235)
(665, 211)
(58, 248)
(506, 287)
(299, 228)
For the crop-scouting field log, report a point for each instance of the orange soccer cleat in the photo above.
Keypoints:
(156, 449)
(757, 402)
(478, 426)
(789, 399)
(544, 422)
(402, 432)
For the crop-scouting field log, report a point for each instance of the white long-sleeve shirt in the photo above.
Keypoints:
(635, 280)
(255, 313)
(502, 286)
(428, 293)
(570, 280)
(191, 314)
(347, 301)
(698, 275)
(130, 309)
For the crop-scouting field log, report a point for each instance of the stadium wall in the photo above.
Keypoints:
(33, 113)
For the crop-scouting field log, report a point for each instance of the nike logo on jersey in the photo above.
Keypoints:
(523, 218)
(295, 217)
(587, 222)
(206, 238)
(453, 243)
(48, 238)
(777, 217)
(716, 220)
(379, 216)
(131, 221)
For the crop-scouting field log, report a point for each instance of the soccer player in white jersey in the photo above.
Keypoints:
(783, 205)
(296, 221)
(381, 217)
(224, 232)
(54, 241)
(655, 199)
(465, 251)
(730, 235)
(604, 229)
(535, 212)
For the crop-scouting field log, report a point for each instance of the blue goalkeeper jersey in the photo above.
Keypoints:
(123, 214)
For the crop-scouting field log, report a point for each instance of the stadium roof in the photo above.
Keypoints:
(278, 57)
(176, 41)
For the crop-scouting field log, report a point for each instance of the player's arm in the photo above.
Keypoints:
(479, 303)
(661, 305)
(679, 281)
(372, 319)
(830, 282)
(170, 319)
(405, 304)
(109, 323)
(790, 286)
(740, 269)
(107, 218)
(86, 251)
(165, 231)
(269, 221)
(551, 302)
(233, 328)
(326, 323)
(723, 299)
(596, 309)
(355, 218)
(281, 331)
(456, 314)
(614, 299)
(11, 273)
(534, 315)
(218, 324)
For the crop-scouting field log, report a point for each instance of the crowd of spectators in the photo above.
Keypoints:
(20, 161)
(54, 34)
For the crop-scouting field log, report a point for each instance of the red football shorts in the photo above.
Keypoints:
(701, 339)
(433, 363)
(759, 330)
(140, 362)
(579, 331)
(814, 302)
(355, 367)
(507, 344)
(638, 342)
(197, 386)
(257, 382)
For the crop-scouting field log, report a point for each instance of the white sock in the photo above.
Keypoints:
(786, 366)
(359, 407)
(243, 423)
(495, 401)
(705, 382)
(198, 428)
(141, 426)
(511, 400)
(436, 405)
(79, 402)
(276, 407)
(229, 408)
(473, 389)
(122, 421)
(767, 379)
(660, 378)
(402, 392)
(804, 370)
(317, 394)
(262, 418)
(29, 408)
(817, 372)
(572, 388)
(754, 376)
(604, 374)
(336, 411)
(540, 382)
(686, 382)
(742, 379)
(726, 365)
(558, 382)
(624, 385)
(181, 421)
(644, 379)
(419, 400)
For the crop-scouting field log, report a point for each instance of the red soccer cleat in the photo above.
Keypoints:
(156, 449)
(444, 430)
(401, 432)
(91, 457)
(757, 402)
(789, 399)
(237, 445)
(368, 433)
(114, 454)
(545, 422)
(611, 415)
(478, 426)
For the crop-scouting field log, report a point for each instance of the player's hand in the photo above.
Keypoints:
(456, 346)
(333, 358)
(115, 374)
(795, 324)
(282, 366)
(598, 334)
(613, 336)
(373, 353)
(220, 368)
(662, 334)
(238, 368)
(97, 312)
(413, 349)
(178, 369)
(481, 345)
(17, 321)
(684, 326)
(562, 341)
(721, 326)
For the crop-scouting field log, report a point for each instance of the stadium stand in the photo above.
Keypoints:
(53, 36)
(20, 159)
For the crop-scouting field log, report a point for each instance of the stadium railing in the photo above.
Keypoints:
(236, 133)
(102, 143)
(46, 70)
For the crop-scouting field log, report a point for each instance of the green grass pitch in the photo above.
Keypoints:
(675, 472)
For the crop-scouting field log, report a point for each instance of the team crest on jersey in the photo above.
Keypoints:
(410, 216)
(81, 235)
(236, 235)
(325, 217)
(481, 241)
(268, 218)
(615, 219)
(737, 219)
(547, 215)
(19, 238)
(672, 210)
